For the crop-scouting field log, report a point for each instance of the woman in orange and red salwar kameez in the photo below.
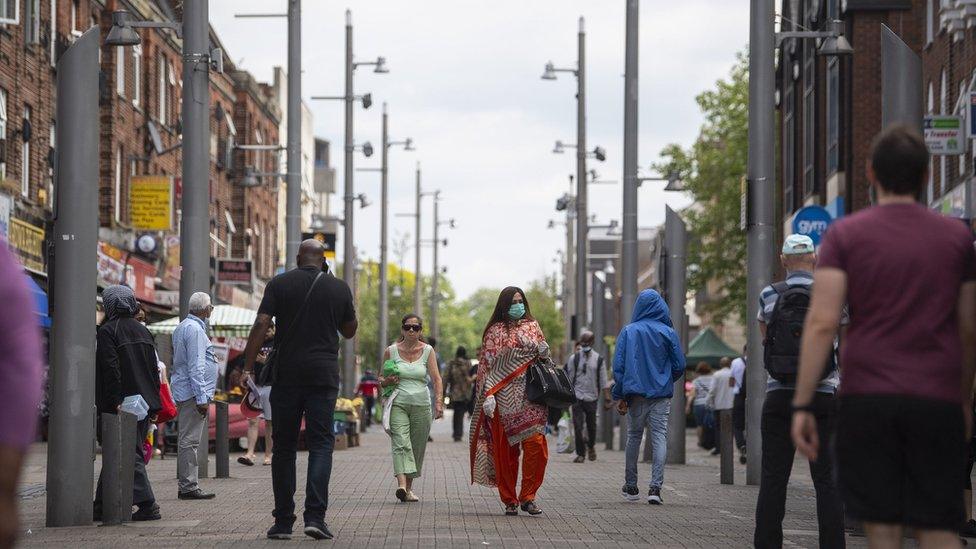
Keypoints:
(504, 423)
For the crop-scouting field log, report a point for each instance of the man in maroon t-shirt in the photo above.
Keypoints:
(909, 278)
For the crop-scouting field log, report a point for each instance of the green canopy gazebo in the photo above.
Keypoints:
(708, 347)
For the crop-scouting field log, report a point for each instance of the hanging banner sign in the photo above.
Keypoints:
(945, 135)
(151, 202)
(27, 242)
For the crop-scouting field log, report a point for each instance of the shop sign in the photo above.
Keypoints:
(27, 243)
(141, 276)
(171, 267)
(945, 135)
(111, 265)
(234, 271)
(151, 202)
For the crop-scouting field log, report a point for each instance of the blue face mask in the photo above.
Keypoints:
(516, 310)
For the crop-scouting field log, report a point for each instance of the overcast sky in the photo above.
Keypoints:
(464, 84)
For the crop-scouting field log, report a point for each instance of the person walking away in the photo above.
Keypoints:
(586, 372)
(504, 423)
(782, 312)
(194, 381)
(369, 389)
(264, 393)
(739, 405)
(458, 382)
(410, 411)
(126, 365)
(721, 398)
(909, 277)
(21, 388)
(647, 362)
(311, 308)
(696, 404)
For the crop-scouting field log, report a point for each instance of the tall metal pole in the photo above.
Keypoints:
(72, 373)
(761, 229)
(570, 278)
(349, 249)
(434, 285)
(416, 286)
(384, 189)
(598, 346)
(676, 238)
(293, 205)
(581, 220)
(629, 241)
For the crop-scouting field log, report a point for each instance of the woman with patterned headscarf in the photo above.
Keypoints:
(126, 365)
(504, 423)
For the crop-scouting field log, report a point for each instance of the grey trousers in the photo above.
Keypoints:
(191, 424)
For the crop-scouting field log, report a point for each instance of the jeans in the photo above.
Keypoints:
(190, 423)
(290, 404)
(368, 404)
(777, 462)
(653, 413)
(584, 412)
(142, 494)
(460, 408)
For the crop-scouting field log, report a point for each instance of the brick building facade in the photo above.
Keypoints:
(139, 103)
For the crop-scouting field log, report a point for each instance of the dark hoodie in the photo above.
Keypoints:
(648, 358)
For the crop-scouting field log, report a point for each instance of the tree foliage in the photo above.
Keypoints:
(712, 171)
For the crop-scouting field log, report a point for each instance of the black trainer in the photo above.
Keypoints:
(631, 493)
(280, 531)
(317, 529)
(149, 512)
(654, 496)
(196, 494)
(969, 530)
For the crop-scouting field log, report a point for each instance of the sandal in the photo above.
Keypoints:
(411, 497)
(531, 508)
(401, 494)
(244, 460)
(511, 510)
(267, 461)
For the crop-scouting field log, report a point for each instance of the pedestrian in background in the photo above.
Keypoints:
(264, 394)
(697, 404)
(721, 398)
(369, 389)
(409, 406)
(310, 308)
(505, 424)
(586, 371)
(739, 405)
(458, 381)
(783, 307)
(21, 378)
(647, 362)
(126, 365)
(909, 277)
(194, 381)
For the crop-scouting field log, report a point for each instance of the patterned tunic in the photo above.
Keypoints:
(506, 353)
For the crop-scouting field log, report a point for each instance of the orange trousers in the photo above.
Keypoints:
(535, 456)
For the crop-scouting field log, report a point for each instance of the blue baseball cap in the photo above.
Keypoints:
(798, 244)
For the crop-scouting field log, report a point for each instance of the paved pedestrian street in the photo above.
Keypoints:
(582, 503)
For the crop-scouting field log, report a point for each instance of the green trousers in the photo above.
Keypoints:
(409, 429)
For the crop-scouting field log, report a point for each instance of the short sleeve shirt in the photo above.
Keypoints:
(310, 355)
(905, 266)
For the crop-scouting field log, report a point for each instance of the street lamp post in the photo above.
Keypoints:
(416, 285)
(435, 297)
(293, 203)
(629, 251)
(349, 196)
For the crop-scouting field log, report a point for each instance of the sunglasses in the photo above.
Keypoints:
(412, 327)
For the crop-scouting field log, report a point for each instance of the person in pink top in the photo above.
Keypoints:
(908, 276)
(20, 386)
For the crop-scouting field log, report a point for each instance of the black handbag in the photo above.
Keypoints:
(547, 385)
(266, 375)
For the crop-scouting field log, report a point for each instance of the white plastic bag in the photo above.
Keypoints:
(136, 405)
(564, 440)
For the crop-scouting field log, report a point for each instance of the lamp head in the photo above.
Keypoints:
(600, 154)
(363, 201)
(452, 224)
(367, 149)
(121, 33)
(559, 148)
(550, 72)
(250, 178)
(381, 67)
(408, 145)
(367, 100)
(551, 224)
(836, 45)
(593, 175)
(674, 181)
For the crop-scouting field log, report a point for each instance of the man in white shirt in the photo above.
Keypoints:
(739, 405)
(721, 397)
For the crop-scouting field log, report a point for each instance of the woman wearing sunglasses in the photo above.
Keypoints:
(504, 423)
(410, 410)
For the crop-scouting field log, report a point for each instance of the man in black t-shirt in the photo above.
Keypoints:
(310, 308)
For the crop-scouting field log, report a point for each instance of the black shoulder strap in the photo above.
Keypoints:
(576, 363)
(599, 368)
(301, 311)
(781, 287)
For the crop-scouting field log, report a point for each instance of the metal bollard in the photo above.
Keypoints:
(203, 450)
(222, 446)
(606, 424)
(129, 444)
(726, 447)
(111, 460)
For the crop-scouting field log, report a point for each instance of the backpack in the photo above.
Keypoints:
(781, 353)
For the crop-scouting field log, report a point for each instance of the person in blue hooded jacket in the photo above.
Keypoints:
(647, 362)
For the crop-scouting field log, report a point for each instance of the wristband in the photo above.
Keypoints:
(802, 408)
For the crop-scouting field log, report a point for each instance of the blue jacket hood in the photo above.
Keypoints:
(648, 358)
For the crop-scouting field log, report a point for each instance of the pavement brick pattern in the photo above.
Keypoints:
(582, 503)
